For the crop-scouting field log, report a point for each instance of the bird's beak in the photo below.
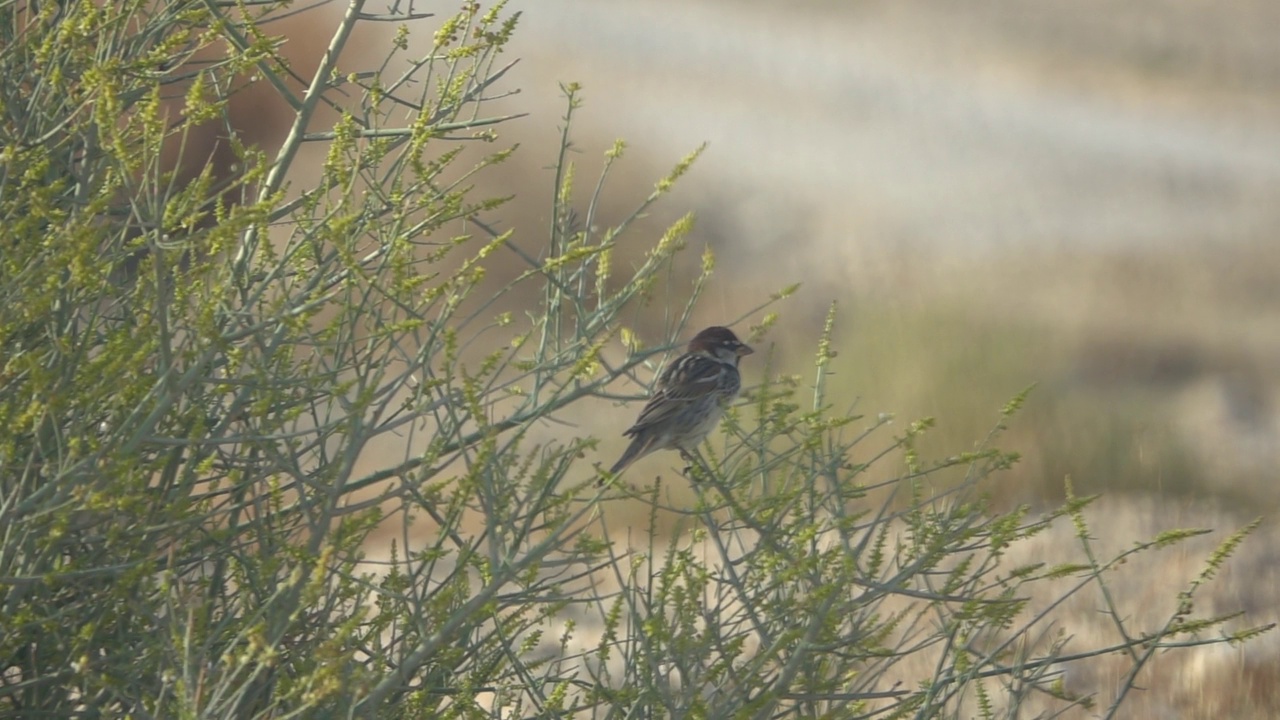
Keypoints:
(744, 350)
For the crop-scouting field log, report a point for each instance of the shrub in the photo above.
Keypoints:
(219, 383)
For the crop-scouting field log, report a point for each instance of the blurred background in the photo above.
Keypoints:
(1082, 195)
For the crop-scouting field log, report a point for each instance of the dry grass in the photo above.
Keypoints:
(1152, 370)
(1206, 682)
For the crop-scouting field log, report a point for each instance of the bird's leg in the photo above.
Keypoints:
(689, 458)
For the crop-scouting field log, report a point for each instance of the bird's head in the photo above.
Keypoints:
(720, 343)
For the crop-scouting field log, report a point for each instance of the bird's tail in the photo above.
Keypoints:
(639, 447)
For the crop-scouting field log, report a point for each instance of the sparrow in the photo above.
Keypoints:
(690, 397)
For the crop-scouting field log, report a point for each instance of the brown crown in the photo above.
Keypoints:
(717, 336)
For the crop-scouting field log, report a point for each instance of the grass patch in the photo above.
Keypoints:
(951, 365)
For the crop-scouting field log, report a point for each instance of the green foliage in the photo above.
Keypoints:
(218, 388)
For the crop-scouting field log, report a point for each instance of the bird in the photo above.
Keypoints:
(689, 399)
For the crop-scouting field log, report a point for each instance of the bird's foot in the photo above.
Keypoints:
(691, 467)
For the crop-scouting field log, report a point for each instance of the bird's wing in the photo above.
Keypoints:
(689, 379)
